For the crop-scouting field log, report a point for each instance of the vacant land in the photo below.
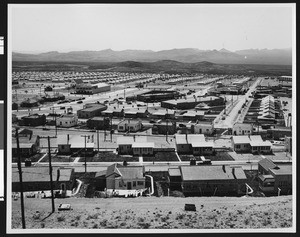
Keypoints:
(158, 213)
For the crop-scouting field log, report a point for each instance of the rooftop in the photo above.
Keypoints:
(193, 173)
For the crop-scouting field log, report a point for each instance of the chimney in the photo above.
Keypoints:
(68, 137)
(186, 136)
(223, 167)
(58, 174)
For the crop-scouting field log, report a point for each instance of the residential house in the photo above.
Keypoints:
(192, 115)
(38, 179)
(274, 178)
(28, 143)
(203, 128)
(253, 144)
(163, 114)
(193, 144)
(242, 129)
(68, 144)
(125, 177)
(129, 126)
(134, 145)
(208, 180)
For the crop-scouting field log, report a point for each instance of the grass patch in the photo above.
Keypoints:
(108, 156)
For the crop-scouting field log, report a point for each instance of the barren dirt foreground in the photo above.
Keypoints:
(159, 213)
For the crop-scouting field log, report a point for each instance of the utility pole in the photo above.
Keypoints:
(98, 139)
(55, 125)
(85, 136)
(21, 180)
(50, 173)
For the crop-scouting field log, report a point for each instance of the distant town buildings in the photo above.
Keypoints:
(89, 88)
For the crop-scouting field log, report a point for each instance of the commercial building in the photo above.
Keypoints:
(193, 144)
(207, 180)
(33, 120)
(89, 88)
(191, 115)
(91, 110)
(191, 103)
(30, 103)
(157, 96)
(164, 128)
(67, 120)
(253, 144)
(274, 179)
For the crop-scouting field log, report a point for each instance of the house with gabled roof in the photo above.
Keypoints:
(125, 177)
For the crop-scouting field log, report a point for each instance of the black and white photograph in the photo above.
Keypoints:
(151, 118)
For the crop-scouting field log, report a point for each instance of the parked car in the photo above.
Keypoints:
(79, 102)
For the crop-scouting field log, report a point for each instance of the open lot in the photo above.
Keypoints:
(157, 213)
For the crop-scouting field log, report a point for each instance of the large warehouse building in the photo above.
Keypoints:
(88, 88)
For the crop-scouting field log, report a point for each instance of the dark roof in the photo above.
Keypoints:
(127, 172)
(197, 173)
(41, 174)
(112, 169)
(267, 164)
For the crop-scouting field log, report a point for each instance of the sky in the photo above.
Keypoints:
(64, 28)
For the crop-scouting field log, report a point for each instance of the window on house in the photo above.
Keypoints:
(134, 184)
(238, 146)
(60, 123)
(140, 183)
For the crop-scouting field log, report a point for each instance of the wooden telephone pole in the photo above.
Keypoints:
(50, 173)
(21, 180)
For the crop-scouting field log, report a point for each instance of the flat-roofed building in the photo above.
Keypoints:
(99, 123)
(134, 145)
(203, 128)
(67, 120)
(274, 178)
(130, 126)
(89, 88)
(91, 110)
(68, 144)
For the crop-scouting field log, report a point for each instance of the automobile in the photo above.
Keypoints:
(139, 105)
(121, 98)
(46, 129)
(79, 102)
(106, 101)
(62, 107)
(129, 102)
(152, 121)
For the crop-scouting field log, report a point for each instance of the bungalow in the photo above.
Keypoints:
(212, 180)
(242, 129)
(253, 144)
(38, 179)
(192, 115)
(68, 144)
(129, 126)
(136, 145)
(193, 144)
(203, 128)
(125, 177)
(28, 143)
(163, 114)
(274, 178)
(67, 120)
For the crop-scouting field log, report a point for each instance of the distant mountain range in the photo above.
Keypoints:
(187, 55)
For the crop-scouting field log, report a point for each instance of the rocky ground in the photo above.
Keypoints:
(157, 213)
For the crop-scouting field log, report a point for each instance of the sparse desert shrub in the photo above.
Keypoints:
(103, 223)
(95, 226)
(140, 219)
(78, 217)
(180, 216)
(247, 221)
(239, 212)
(36, 216)
(92, 216)
(61, 218)
(42, 225)
(76, 223)
(266, 222)
(122, 223)
(164, 218)
(144, 225)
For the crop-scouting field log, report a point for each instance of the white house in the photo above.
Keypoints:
(242, 129)
(204, 128)
(193, 144)
(67, 120)
(253, 144)
(130, 126)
